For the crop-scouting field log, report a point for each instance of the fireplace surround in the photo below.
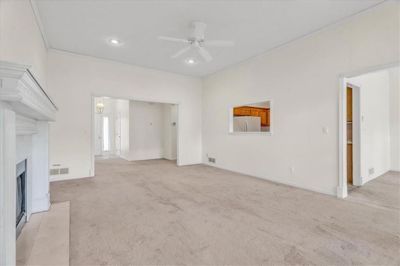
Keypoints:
(25, 113)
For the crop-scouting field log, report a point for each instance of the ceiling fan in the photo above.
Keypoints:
(197, 41)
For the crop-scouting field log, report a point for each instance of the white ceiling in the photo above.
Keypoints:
(256, 26)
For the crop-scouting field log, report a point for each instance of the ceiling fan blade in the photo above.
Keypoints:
(172, 39)
(205, 54)
(180, 52)
(219, 43)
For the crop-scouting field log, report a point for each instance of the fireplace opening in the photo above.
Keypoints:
(21, 196)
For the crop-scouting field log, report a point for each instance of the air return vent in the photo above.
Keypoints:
(54, 171)
(64, 171)
(59, 171)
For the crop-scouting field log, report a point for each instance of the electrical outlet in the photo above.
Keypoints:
(211, 160)
(371, 171)
(291, 170)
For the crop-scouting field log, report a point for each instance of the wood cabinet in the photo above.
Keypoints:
(263, 113)
(349, 102)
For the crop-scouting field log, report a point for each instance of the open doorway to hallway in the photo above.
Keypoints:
(371, 127)
(134, 130)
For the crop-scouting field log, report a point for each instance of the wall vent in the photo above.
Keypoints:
(64, 171)
(54, 171)
(59, 171)
(211, 160)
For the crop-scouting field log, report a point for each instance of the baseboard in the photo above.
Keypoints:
(65, 178)
(123, 156)
(341, 192)
(170, 159)
(368, 179)
(330, 192)
(146, 158)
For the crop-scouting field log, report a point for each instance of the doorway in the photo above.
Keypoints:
(134, 130)
(369, 126)
(353, 133)
(349, 116)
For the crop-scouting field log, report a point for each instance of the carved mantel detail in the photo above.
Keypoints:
(21, 91)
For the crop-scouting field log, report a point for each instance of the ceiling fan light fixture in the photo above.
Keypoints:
(191, 61)
(115, 42)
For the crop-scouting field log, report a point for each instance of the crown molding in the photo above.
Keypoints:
(39, 23)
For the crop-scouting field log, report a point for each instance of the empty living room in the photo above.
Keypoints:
(201, 132)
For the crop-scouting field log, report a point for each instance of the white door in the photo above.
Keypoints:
(102, 142)
(106, 134)
(118, 134)
(98, 134)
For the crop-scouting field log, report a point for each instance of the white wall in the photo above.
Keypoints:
(73, 79)
(20, 38)
(375, 151)
(394, 77)
(302, 79)
(146, 130)
(21, 42)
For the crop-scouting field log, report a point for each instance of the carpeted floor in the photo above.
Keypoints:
(152, 212)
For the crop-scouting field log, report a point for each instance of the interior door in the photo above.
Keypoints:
(118, 134)
(98, 134)
(106, 133)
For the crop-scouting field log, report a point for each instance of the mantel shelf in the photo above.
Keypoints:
(21, 91)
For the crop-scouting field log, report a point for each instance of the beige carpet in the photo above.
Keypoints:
(152, 212)
(44, 240)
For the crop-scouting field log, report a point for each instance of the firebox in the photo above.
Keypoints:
(21, 196)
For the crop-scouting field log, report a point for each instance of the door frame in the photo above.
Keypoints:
(93, 133)
(342, 184)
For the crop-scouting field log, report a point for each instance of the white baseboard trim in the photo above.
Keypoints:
(330, 192)
(169, 158)
(365, 180)
(341, 192)
(146, 158)
(65, 178)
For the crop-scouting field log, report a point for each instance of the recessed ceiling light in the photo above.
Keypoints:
(115, 42)
(190, 61)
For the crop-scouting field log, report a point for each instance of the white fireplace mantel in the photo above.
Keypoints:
(19, 88)
(25, 110)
